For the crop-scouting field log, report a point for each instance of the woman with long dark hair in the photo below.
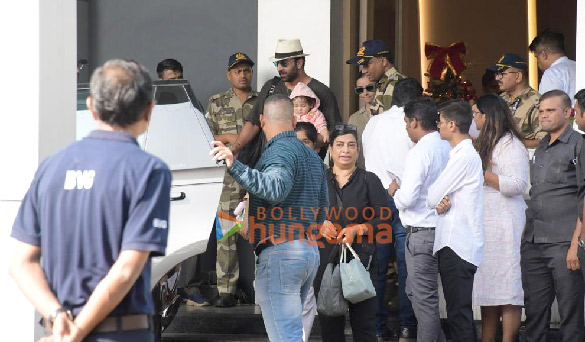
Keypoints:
(498, 282)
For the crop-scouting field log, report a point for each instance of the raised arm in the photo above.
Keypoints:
(272, 184)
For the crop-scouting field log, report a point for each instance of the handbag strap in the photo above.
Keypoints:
(340, 202)
(343, 257)
(348, 246)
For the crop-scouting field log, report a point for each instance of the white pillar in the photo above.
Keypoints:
(580, 58)
(311, 24)
(37, 99)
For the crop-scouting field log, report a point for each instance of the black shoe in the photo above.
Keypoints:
(407, 335)
(387, 335)
(226, 300)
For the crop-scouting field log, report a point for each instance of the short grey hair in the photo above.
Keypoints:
(120, 91)
(278, 107)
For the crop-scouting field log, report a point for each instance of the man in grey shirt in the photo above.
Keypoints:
(549, 249)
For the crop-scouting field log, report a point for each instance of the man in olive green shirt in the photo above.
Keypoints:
(366, 90)
(512, 77)
(225, 115)
(377, 64)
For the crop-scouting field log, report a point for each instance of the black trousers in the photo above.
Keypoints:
(544, 276)
(362, 317)
(457, 279)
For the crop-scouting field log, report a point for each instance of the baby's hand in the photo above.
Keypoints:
(324, 137)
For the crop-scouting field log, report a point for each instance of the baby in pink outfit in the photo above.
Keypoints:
(306, 105)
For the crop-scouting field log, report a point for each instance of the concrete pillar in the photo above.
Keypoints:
(37, 95)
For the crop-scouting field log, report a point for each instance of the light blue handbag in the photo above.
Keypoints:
(355, 279)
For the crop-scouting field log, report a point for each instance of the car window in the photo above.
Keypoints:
(178, 132)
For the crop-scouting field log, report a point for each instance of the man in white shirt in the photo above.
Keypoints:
(386, 144)
(423, 165)
(457, 195)
(559, 72)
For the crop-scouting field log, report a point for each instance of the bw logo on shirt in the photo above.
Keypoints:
(79, 179)
(159, 223)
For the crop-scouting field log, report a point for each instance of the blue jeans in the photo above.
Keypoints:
(407, 317)
(284, 275)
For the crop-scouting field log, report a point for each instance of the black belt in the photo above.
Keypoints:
(123, 323)
(410, 229)
(262, 246)
(119, 323)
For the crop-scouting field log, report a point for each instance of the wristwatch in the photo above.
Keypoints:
(49, 320)
(580, 242)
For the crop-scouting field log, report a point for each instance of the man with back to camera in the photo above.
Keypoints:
(386, 145)
(457, 195)
(289, 60)
(292, 178)
(424, 163)
(548, 255)
(377, 64)
(558, 71)
(225, 115)
(511, 73)
(96, 212)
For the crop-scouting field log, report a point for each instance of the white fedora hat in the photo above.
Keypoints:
(287, 48)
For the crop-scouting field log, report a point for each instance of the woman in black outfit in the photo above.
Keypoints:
(361, 197)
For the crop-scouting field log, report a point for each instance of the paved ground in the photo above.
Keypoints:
(242, 323)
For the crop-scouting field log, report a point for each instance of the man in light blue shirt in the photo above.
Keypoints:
(559, 72)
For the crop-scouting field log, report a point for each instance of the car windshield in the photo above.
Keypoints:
(177, 133)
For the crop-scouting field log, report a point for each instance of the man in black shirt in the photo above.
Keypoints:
(549, 248)
(289, 60)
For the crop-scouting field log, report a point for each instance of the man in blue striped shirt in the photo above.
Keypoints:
(288, 197)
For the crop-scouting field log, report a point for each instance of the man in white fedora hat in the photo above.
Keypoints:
(289, 59)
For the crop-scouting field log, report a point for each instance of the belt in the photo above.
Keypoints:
(410, 229)
(123, 323)
(262, 246)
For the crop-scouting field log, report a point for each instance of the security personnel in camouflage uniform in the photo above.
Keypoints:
(225, 114)
(377, 63)
(512, 77)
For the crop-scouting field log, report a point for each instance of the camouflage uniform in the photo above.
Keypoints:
(524, 108)
(360, 120)
(384, 90)
(226, 114)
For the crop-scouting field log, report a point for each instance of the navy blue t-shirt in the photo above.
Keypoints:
(88, 203)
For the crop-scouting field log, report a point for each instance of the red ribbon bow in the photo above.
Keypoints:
(445, 57)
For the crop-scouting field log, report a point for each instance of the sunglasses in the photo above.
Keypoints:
(284, 63)
(369, 87)
(342, 127)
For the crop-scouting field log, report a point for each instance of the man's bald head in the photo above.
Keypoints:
(278, 108)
